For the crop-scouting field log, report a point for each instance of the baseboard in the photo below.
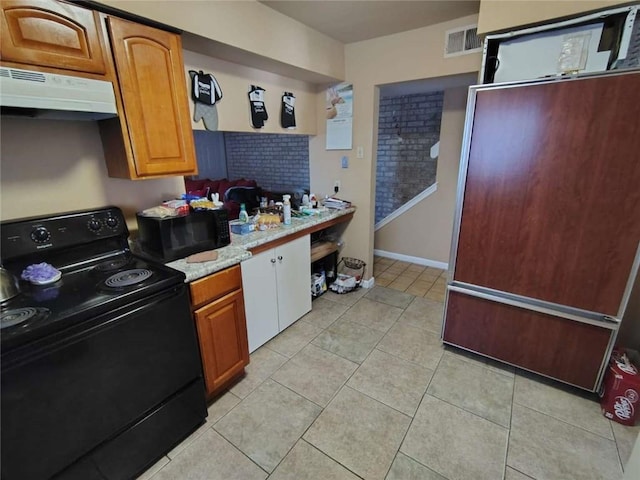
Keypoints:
(369, 283)
(408, 258)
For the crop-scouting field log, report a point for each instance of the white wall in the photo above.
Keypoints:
(499, 15)
(57, 166)
(247, 26)
(233, 108)
(416, 54)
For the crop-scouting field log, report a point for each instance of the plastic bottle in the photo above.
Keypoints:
(243, 216)
(286, 209)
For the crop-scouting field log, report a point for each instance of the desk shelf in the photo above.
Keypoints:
(320, 250)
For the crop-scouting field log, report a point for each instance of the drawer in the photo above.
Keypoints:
(560, 348)
(215, 286)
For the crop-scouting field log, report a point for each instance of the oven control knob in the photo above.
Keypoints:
(112, 222)
(94, 225)
(40, 235)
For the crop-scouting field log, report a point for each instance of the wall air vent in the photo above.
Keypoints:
(461, 41)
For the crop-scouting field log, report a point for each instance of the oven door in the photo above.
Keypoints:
(70, 393)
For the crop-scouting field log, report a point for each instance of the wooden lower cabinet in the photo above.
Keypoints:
(560, 348)
(221, 327)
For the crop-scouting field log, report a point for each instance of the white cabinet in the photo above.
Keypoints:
(276, 289)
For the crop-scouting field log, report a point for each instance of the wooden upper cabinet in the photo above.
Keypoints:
(51, 34)
(152, 82)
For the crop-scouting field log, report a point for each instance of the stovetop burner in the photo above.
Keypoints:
(113, 265)
(10, 318)
(128, 278)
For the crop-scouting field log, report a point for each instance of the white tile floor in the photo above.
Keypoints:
(361, 387)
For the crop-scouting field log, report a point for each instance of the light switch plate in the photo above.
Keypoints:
(360, 152)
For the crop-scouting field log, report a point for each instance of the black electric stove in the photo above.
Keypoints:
(83, 291)
(101, 372)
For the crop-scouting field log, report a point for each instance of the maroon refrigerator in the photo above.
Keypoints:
(545, 246)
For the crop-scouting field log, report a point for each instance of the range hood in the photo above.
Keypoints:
(27, 93)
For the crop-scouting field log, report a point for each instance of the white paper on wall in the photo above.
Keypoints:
(339, 112)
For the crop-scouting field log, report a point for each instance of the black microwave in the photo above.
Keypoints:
(171, 238)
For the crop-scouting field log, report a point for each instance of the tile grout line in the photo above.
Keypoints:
(617, 446)
(322, 409)
(480, 362)
(411, 424)
(358, 391)
(328, 456)
(566, 423)
(615, 439)
(233, 445)
(464, 409)
(506, 453)
(378, 401)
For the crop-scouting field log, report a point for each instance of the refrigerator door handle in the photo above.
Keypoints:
(555, 310)
(608, 318)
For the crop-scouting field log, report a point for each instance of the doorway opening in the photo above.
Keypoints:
(407, 153)
(420, 132)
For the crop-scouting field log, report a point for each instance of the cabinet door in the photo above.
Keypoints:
(151, 75)
(51, 34)
(222, 333)
(293, 271)
(260, 298)
(551, 199)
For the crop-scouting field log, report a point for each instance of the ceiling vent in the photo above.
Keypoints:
(461, 41)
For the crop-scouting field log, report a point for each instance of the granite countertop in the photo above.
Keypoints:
(240, 245)
(227, 257)
(256, 238)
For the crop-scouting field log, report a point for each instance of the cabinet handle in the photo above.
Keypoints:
(273, 260)
(280, 258)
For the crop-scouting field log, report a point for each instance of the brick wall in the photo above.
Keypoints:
(275, 161)
(408, 126)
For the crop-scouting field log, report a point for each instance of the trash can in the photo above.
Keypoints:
(350, 276)
(620, 391)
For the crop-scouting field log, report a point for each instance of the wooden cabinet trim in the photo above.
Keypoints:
(215, 285)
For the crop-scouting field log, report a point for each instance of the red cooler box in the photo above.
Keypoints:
(620, 392)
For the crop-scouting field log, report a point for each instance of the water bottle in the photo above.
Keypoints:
(243, 216)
